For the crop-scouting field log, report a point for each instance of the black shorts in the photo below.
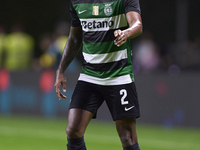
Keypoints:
(121, 100)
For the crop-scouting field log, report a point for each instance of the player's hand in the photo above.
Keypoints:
(60, 81)
(120, 37)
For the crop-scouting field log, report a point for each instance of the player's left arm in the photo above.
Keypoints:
(135, 28)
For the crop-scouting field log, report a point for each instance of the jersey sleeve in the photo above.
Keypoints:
(131, 5)
(75, 22)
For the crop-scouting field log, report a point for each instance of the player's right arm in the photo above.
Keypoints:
(71, 49)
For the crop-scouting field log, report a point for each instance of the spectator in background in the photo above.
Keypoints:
(52, 46)
(44, 60)
(188, 55)
(146, 56)
(19, 49)
(2, 40)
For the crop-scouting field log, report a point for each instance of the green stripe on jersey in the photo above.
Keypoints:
(102, 48)
(105, 74)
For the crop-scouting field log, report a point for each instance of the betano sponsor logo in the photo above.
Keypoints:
(97, 24)
(103, 24)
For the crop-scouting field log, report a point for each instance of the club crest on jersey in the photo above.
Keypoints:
(95, 10)
(108, 9)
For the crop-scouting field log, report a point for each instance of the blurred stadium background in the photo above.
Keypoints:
(166, 67)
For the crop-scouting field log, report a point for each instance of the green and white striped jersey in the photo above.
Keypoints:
(104, 62)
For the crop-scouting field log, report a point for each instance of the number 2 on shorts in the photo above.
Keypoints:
(123, 92)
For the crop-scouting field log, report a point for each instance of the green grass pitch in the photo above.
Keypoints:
(30, 133)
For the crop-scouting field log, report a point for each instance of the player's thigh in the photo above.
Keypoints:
(78, 119)
(85, 101)
(126, 129)
(127, 125)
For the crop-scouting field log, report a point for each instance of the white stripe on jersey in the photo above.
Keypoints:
(105, 58)
(126, 79)
(104, 24)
